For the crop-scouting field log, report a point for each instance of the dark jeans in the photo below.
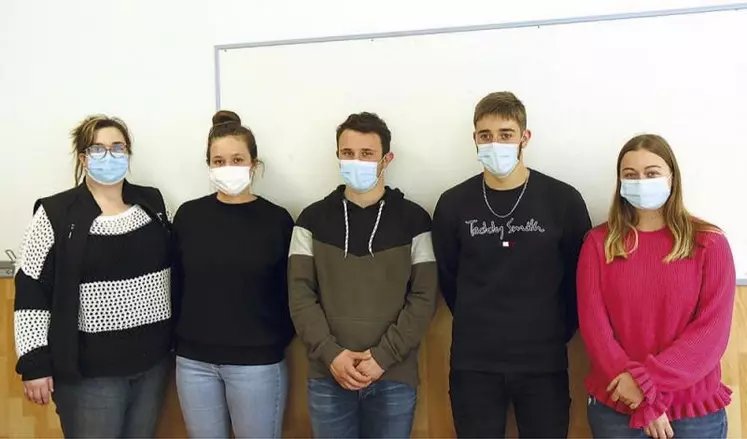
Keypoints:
(385, 409)
(112, 407)
(607, 423)
(479, 402)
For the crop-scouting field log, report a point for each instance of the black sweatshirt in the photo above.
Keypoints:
(510, 282)
(230, 281)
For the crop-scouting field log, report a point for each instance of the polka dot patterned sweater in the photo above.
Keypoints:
(124, 296)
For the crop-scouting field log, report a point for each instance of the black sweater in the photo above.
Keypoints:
(230, 281)
(510, 283)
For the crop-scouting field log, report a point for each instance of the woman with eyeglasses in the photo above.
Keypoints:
(655, 295)
(92, 305)
(231, 296)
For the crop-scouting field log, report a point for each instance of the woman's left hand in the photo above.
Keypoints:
(625, 389)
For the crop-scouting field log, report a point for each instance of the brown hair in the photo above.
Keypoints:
(227, 123)
(504, 104)
(365, 123)
(622, 236)
(85, 132)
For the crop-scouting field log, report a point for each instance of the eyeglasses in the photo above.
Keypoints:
(97, 152)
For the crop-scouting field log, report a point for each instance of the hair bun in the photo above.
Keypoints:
(225, 116)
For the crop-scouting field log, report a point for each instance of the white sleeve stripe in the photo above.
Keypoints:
(37, 243)
(301, 242)
(422, 249)
(31, 327)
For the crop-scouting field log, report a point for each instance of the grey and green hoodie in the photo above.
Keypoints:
(363, 278)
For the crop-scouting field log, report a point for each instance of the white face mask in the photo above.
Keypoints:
(499, 158)
(231, 180)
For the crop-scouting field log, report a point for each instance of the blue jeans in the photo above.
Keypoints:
(385, 409)
(113, 406)
(607, 423)
(216, 397)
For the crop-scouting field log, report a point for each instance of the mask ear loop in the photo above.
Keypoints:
(521, 146)
(383, 168)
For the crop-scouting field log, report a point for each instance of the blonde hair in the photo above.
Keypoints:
(622, 235)
(85, 132)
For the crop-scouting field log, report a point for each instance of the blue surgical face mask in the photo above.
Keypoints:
(646, 194)
(499, 158)
(108, 170)
(360, 176)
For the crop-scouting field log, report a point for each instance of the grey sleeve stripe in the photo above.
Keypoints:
(301, 242)
(422, 249)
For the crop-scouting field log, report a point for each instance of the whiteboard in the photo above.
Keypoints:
(588, 88)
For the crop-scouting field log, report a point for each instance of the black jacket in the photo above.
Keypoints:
(71, 214)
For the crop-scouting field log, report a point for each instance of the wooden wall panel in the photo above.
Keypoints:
(19, 418)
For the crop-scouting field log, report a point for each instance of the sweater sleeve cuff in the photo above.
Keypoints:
(329, 352)
(654, 404)
(643, 379)
(650, 412)
(35, 364)
(383, 357)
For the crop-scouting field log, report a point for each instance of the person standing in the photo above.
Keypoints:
(656, 292)
(363, 289)
(92, 305)
(231, 296)
(507, 242)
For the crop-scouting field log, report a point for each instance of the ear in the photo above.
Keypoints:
(83, 160)
(527, 137)
(388, 158)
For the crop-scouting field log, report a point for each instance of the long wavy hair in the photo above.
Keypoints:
(622, 236)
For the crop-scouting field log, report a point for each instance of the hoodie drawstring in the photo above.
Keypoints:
(347, 227)
(373, 233)
(376, 227)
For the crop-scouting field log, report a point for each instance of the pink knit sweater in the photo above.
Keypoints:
(665, 323)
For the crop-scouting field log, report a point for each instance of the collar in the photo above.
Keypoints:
(130, 195)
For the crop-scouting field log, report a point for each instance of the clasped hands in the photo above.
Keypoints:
(355, 370)
(626, 390)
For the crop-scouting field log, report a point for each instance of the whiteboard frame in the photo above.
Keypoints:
(218, 49)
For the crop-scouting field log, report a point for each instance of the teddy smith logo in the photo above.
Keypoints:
(477, 228)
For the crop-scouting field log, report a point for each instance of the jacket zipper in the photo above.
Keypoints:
(72, 227)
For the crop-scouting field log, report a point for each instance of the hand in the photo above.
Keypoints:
(625, 389)
(370, 368)
(39, 390)
(660, 428)
(344, 371)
